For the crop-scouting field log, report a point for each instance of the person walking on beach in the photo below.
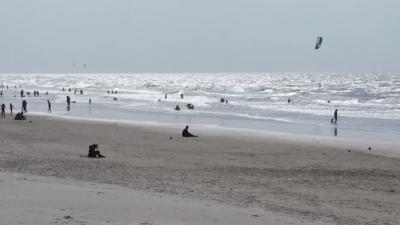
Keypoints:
(11, 109)
(24, 103)
(186, 133)
(3, 110)
(49, 106)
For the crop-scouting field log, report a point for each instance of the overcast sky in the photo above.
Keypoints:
(198, 35)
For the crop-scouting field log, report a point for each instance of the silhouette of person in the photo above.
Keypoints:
(94, 152)
(3, 110)
(177, 108)
(186, 133)
(49, 105)
(24, 104)
(11, 108)
(335, 115)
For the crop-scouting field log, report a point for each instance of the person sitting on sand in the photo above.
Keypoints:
(186, 133)
(94, 152)
(177, 108)
(20, 116)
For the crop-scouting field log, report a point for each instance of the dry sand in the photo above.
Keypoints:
(290, 182)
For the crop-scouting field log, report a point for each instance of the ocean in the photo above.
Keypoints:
(368, 103)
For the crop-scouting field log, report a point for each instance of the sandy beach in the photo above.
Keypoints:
(246, 179)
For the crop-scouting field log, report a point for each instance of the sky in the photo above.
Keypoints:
(129, 36)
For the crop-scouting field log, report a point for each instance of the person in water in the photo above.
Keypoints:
(186, 133)
(94, 152)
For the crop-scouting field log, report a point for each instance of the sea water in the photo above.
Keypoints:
(368, 104)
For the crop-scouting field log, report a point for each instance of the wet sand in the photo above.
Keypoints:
(305, 181)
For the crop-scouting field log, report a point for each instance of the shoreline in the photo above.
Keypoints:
(390, 149)
(307, 181)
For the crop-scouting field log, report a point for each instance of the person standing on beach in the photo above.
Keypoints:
(11, 109)
(68, 102)
(3, 110)
(90, 101)
(49, 106)
(335, 115)
(22, 93)
(24, 104)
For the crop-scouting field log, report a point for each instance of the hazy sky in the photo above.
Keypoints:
(198, 35)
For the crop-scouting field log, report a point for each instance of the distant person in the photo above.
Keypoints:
(288, 101)
(335, 115)
(1, 93)
(75, 92)
(181, 95)
(3, 110)
(186, 133)
(11, 108)
(22, 93)
(222, 100)
(68, 100)
(47, 93)
(108, 91)
(94, 152)
(90, 101)
(20, 116)
(226, 101)
(177, 108)
(49, 106)
(24, 104)
(69, 89)
(166, 96)
(63, 89)
(81, 92)
(190, 106)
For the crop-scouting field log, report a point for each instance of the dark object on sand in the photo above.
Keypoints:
(222, 100)
(369, 148)
(186, 133)
(94, 152)
(349, 150)
(288, 101)
(177, 108)
(20, 116)
(170, 138)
